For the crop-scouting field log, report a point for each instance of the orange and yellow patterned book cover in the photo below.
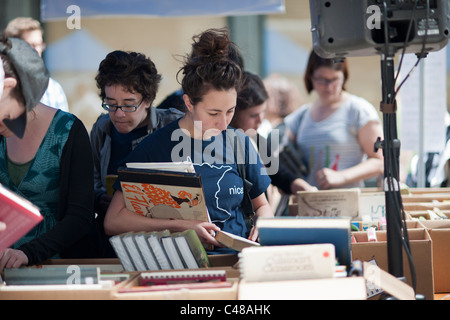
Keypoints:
(164, 194)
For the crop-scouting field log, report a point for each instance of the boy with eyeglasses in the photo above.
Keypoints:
(128, 84)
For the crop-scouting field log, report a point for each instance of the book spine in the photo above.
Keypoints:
(146, 252)
(122, 253)
(172, 253)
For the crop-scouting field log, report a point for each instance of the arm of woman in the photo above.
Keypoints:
(76, 199)
(262, 209)
(119, 220)
(98, 140)
(373, 166)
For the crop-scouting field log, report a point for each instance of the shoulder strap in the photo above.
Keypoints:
(239, 155)
(300, 120)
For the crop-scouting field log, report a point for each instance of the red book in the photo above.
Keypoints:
(178, 286)
(19, 215)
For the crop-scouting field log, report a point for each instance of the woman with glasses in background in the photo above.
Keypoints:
(128, 83)
(337, 132)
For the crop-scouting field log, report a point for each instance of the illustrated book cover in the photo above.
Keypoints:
(164, 194)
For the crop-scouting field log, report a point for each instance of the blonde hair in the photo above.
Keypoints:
(18, 26)
(284, 97)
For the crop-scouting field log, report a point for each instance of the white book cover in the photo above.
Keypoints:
(186, 252)
(185, 166)
(146, 251)
(158, 251)
(172, 253)
(288, 262)
(329, 203)
(122, 253)
(133, 251)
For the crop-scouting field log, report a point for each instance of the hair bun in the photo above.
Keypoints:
(214, 62)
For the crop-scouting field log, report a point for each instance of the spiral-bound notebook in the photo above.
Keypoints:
(157, 278)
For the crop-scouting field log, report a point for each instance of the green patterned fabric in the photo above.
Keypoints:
(17, 170)
(40, 185)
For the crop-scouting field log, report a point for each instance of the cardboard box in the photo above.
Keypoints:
(421, 247)
(439, 231)
(229, 293)
(72, 292)
(225, 262)
(351, 288)
(113, 266)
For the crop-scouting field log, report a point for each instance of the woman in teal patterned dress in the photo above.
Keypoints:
(52, 167)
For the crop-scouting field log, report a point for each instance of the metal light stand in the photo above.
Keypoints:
(396, 233)
(391, 151)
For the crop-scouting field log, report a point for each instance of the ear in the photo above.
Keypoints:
(10, 83)
(148, 105)
(188, 103)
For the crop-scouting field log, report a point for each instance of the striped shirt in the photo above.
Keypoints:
(332, 142)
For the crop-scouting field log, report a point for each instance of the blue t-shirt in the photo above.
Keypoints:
(121, 145)
(214, 159)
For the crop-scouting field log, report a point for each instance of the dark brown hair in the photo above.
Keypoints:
(214, 63)
(315, 62)
(132, 70)
(253, 92)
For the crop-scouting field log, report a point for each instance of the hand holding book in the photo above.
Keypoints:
(204, 230)
(11, 258)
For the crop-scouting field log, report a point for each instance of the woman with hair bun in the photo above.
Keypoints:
(211, 81)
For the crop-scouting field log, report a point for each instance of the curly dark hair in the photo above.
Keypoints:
(132, 70)
(214, 63)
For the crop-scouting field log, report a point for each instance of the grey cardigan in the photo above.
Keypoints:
(101, 142)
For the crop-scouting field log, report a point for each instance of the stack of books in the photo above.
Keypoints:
(141, 251)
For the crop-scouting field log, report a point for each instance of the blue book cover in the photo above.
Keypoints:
(308, 230)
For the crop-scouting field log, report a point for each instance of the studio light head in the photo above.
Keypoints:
(344, 28)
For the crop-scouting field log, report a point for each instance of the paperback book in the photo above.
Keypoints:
(164, 194)
(153, 251)
(308, 230)
(19, 215)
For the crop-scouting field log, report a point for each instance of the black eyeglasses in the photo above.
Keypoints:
(326, 82)
(126, 108)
